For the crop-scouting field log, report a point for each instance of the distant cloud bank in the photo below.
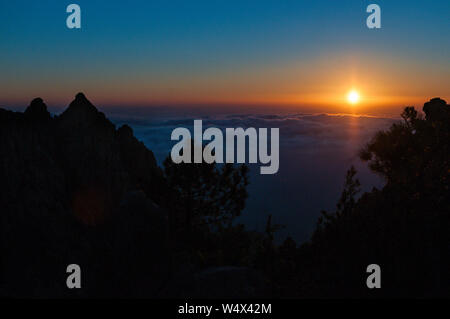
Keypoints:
(315, 152)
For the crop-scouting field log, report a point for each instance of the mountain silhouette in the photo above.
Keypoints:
(76, 190)
(59, 177)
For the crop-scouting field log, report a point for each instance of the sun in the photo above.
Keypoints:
(353, 97)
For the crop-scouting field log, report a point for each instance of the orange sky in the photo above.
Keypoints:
(301, 55)
(321, 82)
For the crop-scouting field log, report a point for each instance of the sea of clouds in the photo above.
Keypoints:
(315, 152)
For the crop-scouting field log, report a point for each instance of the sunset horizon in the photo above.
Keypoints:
(217, 158)
(223, 54)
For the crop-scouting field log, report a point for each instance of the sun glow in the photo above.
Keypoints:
(353, 97)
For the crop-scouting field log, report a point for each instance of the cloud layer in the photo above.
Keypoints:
(315, 152)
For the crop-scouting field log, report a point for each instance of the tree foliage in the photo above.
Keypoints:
(402, 227)
(205, 197)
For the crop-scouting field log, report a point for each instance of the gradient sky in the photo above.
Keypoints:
(294, 53)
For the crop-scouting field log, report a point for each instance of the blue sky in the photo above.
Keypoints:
(130, 48)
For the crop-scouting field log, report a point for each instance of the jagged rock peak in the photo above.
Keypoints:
(81, 101)
(82, 113)
(81, 98)
(80, 109)
(37, 101)
(37, 109)
(80, 95)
